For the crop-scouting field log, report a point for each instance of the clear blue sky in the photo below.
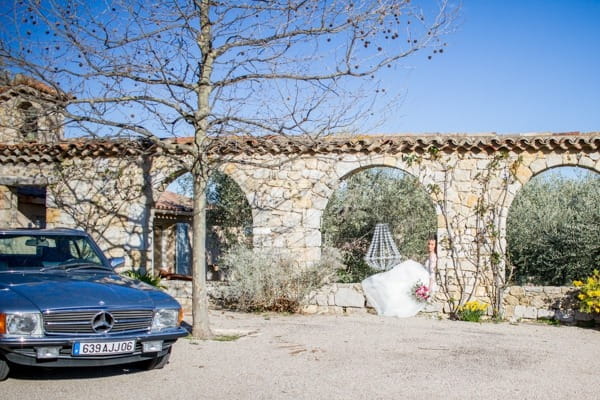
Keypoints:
(511, 67)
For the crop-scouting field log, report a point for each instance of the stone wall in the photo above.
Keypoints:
(543, 302)
(181, 291)
(336, 298)
(104, 196)
(29, 112)
(520, 302)
(109, 189)
(472, 193)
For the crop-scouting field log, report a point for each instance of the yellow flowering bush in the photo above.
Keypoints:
(589, 293)
(472, 311)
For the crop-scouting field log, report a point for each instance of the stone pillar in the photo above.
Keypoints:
(8, 206)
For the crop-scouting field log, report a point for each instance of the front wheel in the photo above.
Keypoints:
(4, 369)
(158, 362)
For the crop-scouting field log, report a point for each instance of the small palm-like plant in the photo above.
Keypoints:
(145, 277)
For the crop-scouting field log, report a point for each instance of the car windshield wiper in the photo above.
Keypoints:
(75, 265)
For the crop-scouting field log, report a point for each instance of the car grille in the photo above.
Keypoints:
(80, 322)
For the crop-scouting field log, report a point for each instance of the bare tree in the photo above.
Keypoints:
(208, 68)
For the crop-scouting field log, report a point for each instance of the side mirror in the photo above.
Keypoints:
(117, 262)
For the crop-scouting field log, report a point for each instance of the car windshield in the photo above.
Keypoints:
(47, 252)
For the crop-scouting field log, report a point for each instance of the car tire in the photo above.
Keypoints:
(158, 362)
(4, 369)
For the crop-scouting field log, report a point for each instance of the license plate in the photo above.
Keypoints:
(102, 348)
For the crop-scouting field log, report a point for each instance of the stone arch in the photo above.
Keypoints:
(534, 165)
(348, 167)
(550, 167)
(164, 172)
(29, 125)
(413, 235)
(171, 220)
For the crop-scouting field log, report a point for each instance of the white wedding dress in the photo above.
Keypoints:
(390, 292)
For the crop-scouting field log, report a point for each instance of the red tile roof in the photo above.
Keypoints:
(172, 201)
(22, 84)
(570, 141)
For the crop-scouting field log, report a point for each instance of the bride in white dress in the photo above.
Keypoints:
(391, 294)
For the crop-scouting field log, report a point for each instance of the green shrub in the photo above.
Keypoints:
(553, 231)
(369, 197)
(145, 277)
(270, 281)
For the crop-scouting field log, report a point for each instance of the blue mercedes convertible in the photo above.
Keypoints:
(63, 305)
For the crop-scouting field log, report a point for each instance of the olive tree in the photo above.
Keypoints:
(553, 230)
(372, 196)
(209, 68)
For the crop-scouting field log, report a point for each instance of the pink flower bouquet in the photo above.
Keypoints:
(421, 292)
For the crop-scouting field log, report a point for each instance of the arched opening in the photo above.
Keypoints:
(228, 223)
(29, 126)
(371, 196)
(553, 230)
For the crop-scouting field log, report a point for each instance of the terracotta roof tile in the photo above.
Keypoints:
(572, 141)
(23, 84)
(174, 202)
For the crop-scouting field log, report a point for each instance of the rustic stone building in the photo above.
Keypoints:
(110, 188)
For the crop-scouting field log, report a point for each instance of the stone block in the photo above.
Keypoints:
(552, 289)
(310, 163)
(544, 313)
(6, 198)
(312, 219)
(331, 299)
(258, 230)
(302, 203)
(471, 200)
(294, 175)
(581, 316)
(533, 289)
(538, 165)
(553, 160)
(433, 308)
(320, 203)
(52, 215)
(309, 309)
(539, 301)
(313, 239)
(511, 300)
(587, 162)
(509, 312)
(523, 174)
(565, 315)
(320, 189)
(468, 164)
(348, 297)
(525, 312)
(312, 175)
(321, 300)
(291, 220)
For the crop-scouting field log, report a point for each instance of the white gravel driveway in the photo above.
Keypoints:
(347, 357)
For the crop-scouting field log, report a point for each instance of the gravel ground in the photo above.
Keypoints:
(346, 357)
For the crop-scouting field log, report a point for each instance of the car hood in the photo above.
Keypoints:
(62, 290)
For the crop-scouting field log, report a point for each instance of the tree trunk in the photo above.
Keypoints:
(200, 325)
